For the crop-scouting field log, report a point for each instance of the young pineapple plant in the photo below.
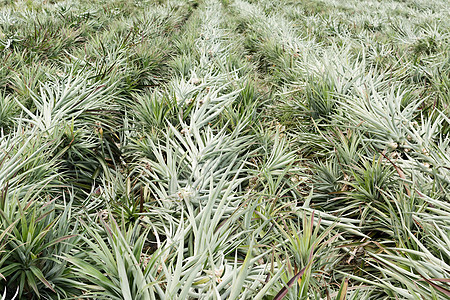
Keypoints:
(224, 149)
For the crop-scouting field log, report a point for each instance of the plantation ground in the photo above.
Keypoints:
(233, 149)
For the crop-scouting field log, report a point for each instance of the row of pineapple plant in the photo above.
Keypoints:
(230, 149)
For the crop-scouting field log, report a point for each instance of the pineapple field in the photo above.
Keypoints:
(224, 149)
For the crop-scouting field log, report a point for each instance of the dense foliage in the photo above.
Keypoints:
(234, 149)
